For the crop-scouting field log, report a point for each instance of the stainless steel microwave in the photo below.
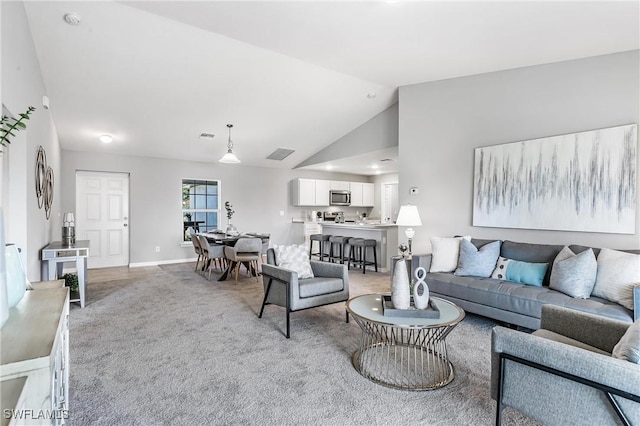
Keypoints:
(340, 198)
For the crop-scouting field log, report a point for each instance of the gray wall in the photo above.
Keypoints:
(258, 194)
(440, 124)
(381, 132)
(22, 86)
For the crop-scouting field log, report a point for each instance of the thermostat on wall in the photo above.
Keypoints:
(414, 191)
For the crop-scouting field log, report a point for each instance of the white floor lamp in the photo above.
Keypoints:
(409, 216)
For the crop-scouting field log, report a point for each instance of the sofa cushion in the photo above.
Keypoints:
(629, 345)
(618, 273)
(445, 253)
(534, 253)
(477, 262)
(568, 341)
(574, 274)
(319, 285)
(522, 299)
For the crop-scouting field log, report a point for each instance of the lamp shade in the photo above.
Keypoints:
(230, 158)
(408, 216)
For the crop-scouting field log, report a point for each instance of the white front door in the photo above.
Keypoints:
(389, 206)
(102, 217)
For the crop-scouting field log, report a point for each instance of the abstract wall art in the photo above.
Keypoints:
(577, 182)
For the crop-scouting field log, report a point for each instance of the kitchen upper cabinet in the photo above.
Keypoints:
(310, 192)
(356, 194)
(322, 192)
(304, 192)
(339, 185)
(362, 194)
(368, 197)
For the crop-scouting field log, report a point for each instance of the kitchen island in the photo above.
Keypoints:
(385, 234)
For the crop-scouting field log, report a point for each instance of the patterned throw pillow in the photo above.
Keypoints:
(520, 272)
(618, 272)
(574, 274)
(295, 258)
(477, 262)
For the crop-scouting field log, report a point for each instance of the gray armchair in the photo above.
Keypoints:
(564, 373)
(283, 288)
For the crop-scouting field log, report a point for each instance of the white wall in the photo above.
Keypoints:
(378, 133)
(22, 86)
(258, 194)
(442, 122)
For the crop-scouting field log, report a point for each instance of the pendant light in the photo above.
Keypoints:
(229, 157)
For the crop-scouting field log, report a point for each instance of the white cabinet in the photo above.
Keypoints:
(304, 192)
(356, 194)
(310, 192)
(361, 194)
(322, 192)
(339, 185)
(34, 343)
(368, 198)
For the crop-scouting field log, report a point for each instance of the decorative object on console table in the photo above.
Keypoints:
(409, 216)
(68, 230)
(16, 278)
(400, 294)
(403, 249)
(420, 289)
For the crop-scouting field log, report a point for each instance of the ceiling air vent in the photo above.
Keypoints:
(207, 135)
(280, 154)
(387, 159)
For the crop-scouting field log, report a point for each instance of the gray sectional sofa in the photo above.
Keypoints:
(515, 303)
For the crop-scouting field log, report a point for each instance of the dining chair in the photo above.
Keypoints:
(213, 253)
(195, 239)
(248, 251)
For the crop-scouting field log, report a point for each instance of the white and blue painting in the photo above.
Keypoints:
(577, 182)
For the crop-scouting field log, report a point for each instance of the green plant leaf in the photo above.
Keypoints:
(21, 125)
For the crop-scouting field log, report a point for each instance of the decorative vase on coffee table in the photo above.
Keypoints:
(400, 295)
(420, 289)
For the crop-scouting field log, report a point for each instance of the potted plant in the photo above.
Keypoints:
(231, 230)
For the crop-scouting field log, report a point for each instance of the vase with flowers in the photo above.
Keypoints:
(231, 230)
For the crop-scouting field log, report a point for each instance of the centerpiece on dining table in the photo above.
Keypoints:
(231, 230)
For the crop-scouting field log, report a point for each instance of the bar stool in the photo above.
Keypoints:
(359, 253)
(337, 246)
(321, 239)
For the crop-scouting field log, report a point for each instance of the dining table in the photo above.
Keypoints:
(221, 238)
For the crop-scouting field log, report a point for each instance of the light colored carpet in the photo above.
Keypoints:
(170, 347)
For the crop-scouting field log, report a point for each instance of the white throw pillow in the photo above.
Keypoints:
(445, 253)
(629, 345)
(618, 273)
(295, 258)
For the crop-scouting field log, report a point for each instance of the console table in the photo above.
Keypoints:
(34, 354)
(55, 254)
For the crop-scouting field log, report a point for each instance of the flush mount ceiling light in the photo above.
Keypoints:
(229, 157)
(72, 19)
(106, 138)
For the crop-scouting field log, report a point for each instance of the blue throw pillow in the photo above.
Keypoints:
(477, 262)
(526, 273)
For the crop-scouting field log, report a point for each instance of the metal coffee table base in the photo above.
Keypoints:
(404, 358)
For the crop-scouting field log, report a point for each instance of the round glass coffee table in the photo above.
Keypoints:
(400, 352)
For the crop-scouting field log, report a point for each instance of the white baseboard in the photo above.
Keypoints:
(160, 262)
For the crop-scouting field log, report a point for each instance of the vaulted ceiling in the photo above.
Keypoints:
(295, 75)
